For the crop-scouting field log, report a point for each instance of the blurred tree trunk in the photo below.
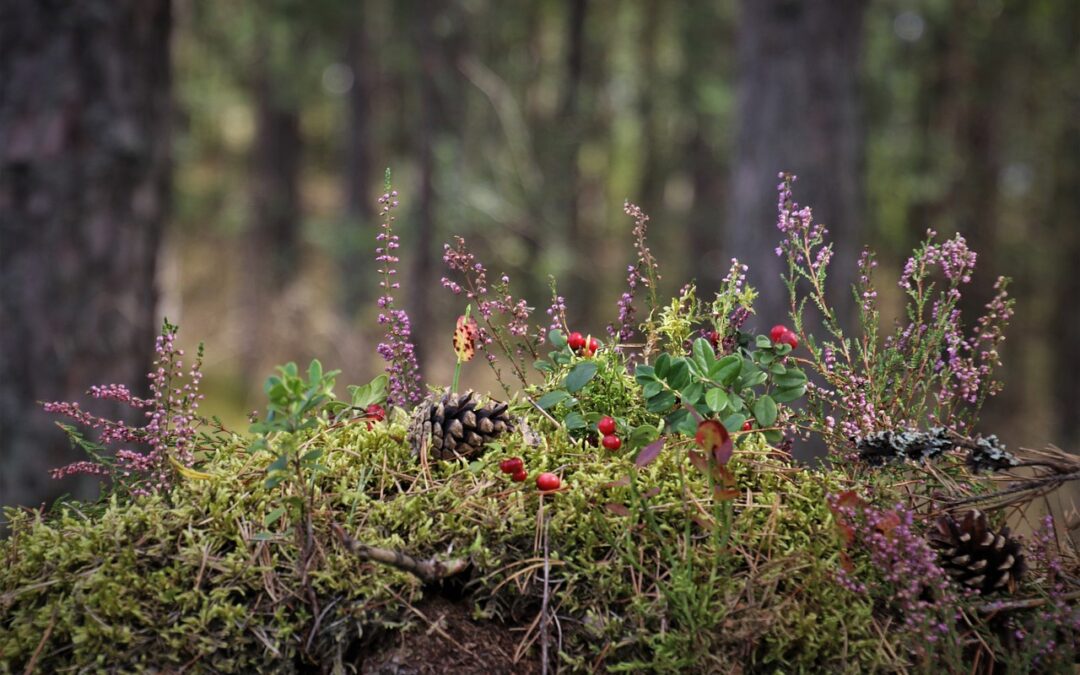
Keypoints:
(84, 173)
(273, 235)
(706, 35)
(798, 108)
(359, 166)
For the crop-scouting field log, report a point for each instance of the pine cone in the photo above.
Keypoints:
(456, 426)
(976, 556)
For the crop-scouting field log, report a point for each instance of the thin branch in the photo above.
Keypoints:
(1029, 603)
(425, 570)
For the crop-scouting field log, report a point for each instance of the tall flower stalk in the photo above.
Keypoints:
(397, 348)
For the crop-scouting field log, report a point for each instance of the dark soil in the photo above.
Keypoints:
(449, 640)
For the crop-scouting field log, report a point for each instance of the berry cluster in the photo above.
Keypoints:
(607, 426)
(515, 468)
(581, 345)
(781, 334)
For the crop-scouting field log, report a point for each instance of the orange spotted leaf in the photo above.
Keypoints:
(465, 338)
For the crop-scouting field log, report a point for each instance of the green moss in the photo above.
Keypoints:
(192, 578)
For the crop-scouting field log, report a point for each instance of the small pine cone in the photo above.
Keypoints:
(976, 556)
(452, 426)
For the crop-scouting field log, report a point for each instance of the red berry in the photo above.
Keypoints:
(593, 345)
(546, 482)
(375, 412)
(747, 425)
(576, 341)
(519, 476)
(511, 465)
(714, 338)
(777, 332)
(789, 338)
(612, 442)
(606, 425)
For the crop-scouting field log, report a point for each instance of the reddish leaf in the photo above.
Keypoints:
(650, 452)
(651, 493)
(714, 439)
(702, 523)
(889, 523)
(622, 482)
(618, 509)
(722, 495)
(845, 562)
(698, 461)
(847, 532)
(848, 498)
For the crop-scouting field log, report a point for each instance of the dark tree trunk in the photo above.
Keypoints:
(273, 247)
(798, 111)
(84, 168)
(360, 171)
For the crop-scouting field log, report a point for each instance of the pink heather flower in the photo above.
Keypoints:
(170, 430)
(397, 348)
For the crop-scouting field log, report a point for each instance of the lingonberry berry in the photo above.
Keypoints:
(511, 465)
(789, 338)
(612, 442)
(777, 332)
(714, 338)
(593, 345)
(576, 341)
(747, 425)
(519, 476)
(606, 425)
(546, 482)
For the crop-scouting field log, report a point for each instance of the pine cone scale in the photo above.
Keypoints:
(976, 556)
(453, 426)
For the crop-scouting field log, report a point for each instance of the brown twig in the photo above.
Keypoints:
(425, 570)
(1029, 603)
(44, 639)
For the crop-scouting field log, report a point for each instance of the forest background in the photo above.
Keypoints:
(218, 163)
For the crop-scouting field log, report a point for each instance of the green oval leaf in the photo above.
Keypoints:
(765, 411)
(580, 376)
(716, 399)
(726, 369)
(552, 399)
(574, 421)
(661, 402)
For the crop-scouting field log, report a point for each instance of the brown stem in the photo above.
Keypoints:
(425, 570)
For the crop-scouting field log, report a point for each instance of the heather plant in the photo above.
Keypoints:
(928, 373)
(168, 438)
(397, 348)
(504, 318)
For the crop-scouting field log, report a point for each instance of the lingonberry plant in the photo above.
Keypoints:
(168, 437)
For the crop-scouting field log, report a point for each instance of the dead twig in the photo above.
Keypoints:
(426, 570)
(1029, 603)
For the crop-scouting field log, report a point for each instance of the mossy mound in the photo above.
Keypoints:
(195, 579)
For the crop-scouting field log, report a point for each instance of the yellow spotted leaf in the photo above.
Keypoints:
(465, 337)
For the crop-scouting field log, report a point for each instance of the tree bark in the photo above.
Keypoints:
(273, 235)
(798, 110)
(360, 171)
(84, 172)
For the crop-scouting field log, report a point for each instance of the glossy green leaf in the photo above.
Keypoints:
(552, 399)
(716, 399)
(765, 411)
(580, 376)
